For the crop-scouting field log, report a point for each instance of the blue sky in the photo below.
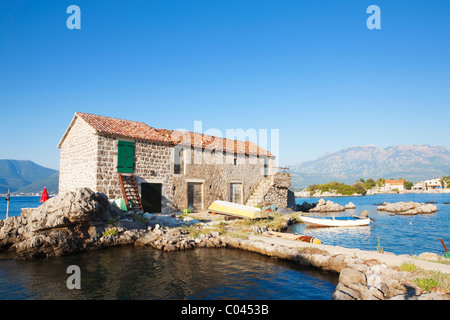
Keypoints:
(311, 69)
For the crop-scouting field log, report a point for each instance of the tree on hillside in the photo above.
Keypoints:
(381, 181)
(407, 184)
(445, 182)
(369, 184)
(339, 188)
(359, 186)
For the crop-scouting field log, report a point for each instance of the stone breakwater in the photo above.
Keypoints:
(359, 279)
(85, 220)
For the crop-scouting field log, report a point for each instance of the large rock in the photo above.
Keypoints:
(407, 208)
(350, 205)
(327, 206)
(69, 222)
(305, 206)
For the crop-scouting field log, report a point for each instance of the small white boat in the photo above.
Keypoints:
(336, 221)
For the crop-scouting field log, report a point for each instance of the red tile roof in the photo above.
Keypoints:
(394, 182)
(122, 128)
(216, 143)
(139, 130)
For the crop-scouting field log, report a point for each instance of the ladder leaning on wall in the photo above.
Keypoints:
(130, 191)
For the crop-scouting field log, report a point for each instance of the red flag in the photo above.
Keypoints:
(44, 196)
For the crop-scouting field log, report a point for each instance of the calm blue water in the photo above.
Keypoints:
(16, 204)
(146, 273)
(397, 234)
(138, 273)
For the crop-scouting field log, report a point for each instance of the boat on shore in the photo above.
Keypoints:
(237, 210)
(352, 221)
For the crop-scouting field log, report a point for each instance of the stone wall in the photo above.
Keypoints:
(78, 158)
(90, 160)
(279, 193)
(153, 164)
(107, 180)
(216, 171)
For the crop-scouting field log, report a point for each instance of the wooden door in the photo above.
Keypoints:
(195, 197)
(236, 192)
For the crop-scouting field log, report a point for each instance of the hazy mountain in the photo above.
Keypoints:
(51, 183)
(16, 174)
(414, 163)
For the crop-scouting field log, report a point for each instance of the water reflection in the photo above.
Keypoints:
(145, 273)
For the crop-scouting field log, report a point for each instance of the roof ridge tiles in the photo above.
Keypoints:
(140, 130)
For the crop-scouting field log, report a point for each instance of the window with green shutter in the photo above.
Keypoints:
(125, 156)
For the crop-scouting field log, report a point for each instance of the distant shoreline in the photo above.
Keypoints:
(25, 195)
(331, 195)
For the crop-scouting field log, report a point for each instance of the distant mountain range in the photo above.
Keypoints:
(411, 162)
(24, 176)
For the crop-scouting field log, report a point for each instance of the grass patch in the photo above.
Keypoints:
(275, 221)
(194, 231)
(441, 260)
(408, 266)
(236, 234)
(427, 280)
(110, 231)
(222, 228)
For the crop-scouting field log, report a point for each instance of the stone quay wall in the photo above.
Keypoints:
(358, 278)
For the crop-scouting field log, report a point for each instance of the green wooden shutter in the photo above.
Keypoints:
(125, 156)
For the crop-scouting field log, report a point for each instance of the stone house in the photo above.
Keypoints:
(394, 184)
(170, 170)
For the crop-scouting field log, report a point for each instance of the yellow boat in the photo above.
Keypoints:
(238, 210)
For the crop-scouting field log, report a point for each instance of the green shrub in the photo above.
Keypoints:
(427, 284)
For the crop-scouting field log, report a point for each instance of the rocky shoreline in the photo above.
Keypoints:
(324, 206)
(84, 221)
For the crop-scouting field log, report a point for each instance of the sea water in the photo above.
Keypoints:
(16, 204)
(399, 234)
(146, 273)
(138, 273)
